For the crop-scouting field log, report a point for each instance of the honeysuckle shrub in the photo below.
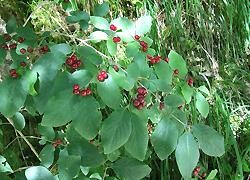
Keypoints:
(106, 104)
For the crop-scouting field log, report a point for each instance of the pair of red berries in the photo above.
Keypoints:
(57, 143)
(154, 59)
(190, 81)
(144, 46)
(13, 73)
(83, 92)
(116, 39)
(139, 102)
(44, 49)
(196, 172)
(73, 62)
(102, 76)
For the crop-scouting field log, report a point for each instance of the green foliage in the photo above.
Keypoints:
(131, 102)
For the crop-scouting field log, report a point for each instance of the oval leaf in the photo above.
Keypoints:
(201, 104)
(38, 173)
(99, 22)
(18, 121)
(47, 155)
(187, 155)
(210, 141)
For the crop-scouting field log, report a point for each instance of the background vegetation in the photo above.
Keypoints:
(213, 35)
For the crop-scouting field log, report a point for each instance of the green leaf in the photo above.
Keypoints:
(132, 49)
(47, 155)
(101, 9)
(212, 174)
(77, 16)
(187, 92)
(180, 119)
(143, 25)
(138, 141)
(28, 33)
(174, 100)
(81, 77)
(84, 24)
(4, 165)
(164, 138)
(177, 62)
(124, 24)
(68, 165)
(164, 72)
(113, 156)
(38, 173)
(210, 141)
(109, 87)
(87, 54)
(99, 22)
(201, 104)
(11, 25)
(98, 36)
(78, 146)
(112, 47)
(131, 169)
(12, 96)
(63, 48)
(116, 130)
(204, 90)
(47, 132)
(18, 121)
(187, 155)
(87, 121)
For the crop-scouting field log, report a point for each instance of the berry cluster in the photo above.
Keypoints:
(57, 143)
(73, 62)
(83, 92)
(144, 46)
(113, 27)
(190, 81)
(196, 172)
(154, 59)
(12, 45)
(102, 76)
(13, 73)
(44, 49)
(139, 102)
(116, 39)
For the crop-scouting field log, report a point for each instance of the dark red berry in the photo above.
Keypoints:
(180, 107)
(143, 44)
(104, 74)
(195, 173)
(116, 68)
(113, 27)
(23, 64)
(76, 86)
(13, 46)
(176, 72)
(84, 93)
(149, 56)
(74, 66)
(73, 57)
(69, 61)
(45, 48)
(140, 96)
(79, 63)
(100, 78)
(198, 168)
(141, 90)
(137, 37)
(190, 81)
(203, 175)
(13, 73)
(152, 61)
(5, 46)
(116, 39)
(22, 51)
(7, 37)
(30, 49)
(136, 103)
(20, 39)
(88, 91)
(141, 100)
(157, 59)
(140, 107)
(161, 106)
(144, 49)
(166, 59)
(76, 91)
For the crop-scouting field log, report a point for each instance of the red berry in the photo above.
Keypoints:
(143, 44)
(190, 81)
(13, 46)
(116, 68)
(7, 37)
(113, 27)
(198, 168)
(140, 107)
(176, 72)
(149, 56)
(74, 66)
(45, 48)
(100, 78)
(76, 86)
(166, 59)
(136, 103)
(157, 59)
(152, 61)
(180, 107)
(76, 91)
(30, 49)
(141, 90)
(12, 71)
(195, 173)
(140, 96)
(84, 93)
(22, 51)
(23, 64)
(69, 61)
(116, 39)
(144, 49)
(88, 91)
(79, 63)
(161, 106)
(5, 46)
(137, 37)
(104, 74)
(20, 39)
(73, 57)
(141, 100)
(203, 175)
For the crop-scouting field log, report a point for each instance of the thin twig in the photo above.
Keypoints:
(20, 146)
